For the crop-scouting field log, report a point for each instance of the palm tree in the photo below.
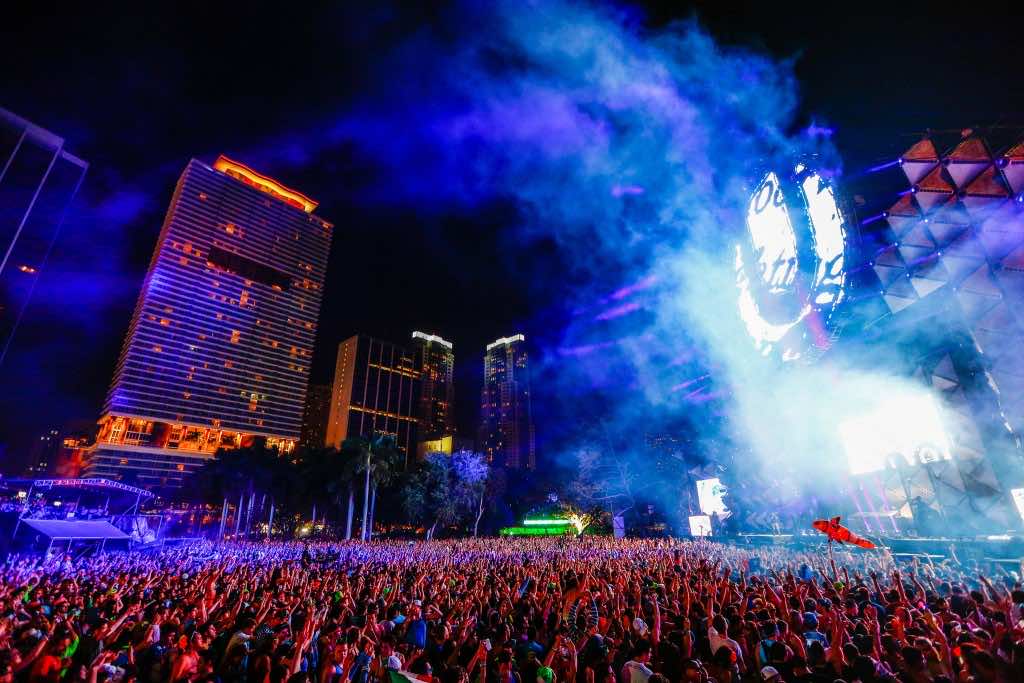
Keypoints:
(384, 470)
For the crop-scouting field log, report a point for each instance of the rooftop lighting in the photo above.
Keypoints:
(432, 338)
(506, 340)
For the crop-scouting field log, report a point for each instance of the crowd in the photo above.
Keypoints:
(585, 610)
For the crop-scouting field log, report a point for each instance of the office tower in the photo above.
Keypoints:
(44, 454)
(435, 363)
(219, 347)
(376, 391)
(506, 424)
(38, 181)
(314, 418)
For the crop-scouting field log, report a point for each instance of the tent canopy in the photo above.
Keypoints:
(76, 530)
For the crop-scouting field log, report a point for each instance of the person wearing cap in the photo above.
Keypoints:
(770, 673)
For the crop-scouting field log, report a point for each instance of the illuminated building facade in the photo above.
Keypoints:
(38, 181)
(506, 422)
(314, 419)
(219, 347)
(435, 363)
(376, 391)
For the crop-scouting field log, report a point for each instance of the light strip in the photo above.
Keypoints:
(432, 338)
(547, 522)
(506, 340)
(263, 183)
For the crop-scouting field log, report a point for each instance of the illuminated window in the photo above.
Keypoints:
(202, 196)
(228, 364)
(181, 468)
(165, 322)
(235, 336)
(230, 228)
(158, 349)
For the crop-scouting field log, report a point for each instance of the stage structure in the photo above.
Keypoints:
(84, 511)
(939, 276)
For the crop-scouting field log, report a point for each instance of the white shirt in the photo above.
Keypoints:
(636, 672)
(717, 640)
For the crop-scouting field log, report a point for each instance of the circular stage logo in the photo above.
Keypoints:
(790, 268)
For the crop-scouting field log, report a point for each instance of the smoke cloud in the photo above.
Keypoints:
(635, 150)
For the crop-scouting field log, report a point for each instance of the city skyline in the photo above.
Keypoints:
(467, 273)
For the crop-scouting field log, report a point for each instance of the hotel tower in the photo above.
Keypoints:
(506, 420)
(219, 347)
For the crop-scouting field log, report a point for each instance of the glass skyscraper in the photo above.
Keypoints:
(219, 347)
(376, 391)
(435, 362)
(506, 423)
(38, 180)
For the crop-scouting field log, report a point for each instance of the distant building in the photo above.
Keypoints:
(219, 347)
(44, 454)
(506, 421)
(446, 444)
(71, 458)
(376, 391)
(314, 418)
(38, 181)
(435, 363)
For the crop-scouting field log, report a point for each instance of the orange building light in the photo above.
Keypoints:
(262, 183)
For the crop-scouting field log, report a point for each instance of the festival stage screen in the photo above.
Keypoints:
(903, 428)
(710, 497)
(700, 525)
(791, 270)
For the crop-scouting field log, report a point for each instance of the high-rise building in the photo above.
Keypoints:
(38, 181)
(314, 418)
(43, 455)
(376, 391)
(435, 363)
(219, 347)
(506, 422)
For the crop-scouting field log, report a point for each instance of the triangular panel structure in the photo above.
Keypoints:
(901, 224)
(998, 319)
(998, 243)
(889, 274)
(889, 256)
(965, 246)
(912, 255)
(934, 189)
(989, 183)
(918, 236)
(975, 306)
(945, 369)
(1013, 167)
(981, 282)
(905, 206)
(967, 160)
(919, 160)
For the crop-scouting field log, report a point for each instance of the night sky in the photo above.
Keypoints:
(139, 90)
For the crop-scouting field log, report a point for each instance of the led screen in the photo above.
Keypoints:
(901, 428)
(791, 267)
(710, 497)
(700, 525)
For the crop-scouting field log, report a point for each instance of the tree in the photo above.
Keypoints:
(446, 490)
(246, 472)
(428, 495)
(470, 486)
(384, 468)
(329, 474)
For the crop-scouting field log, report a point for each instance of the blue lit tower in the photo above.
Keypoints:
(219, 347)
(506, 422)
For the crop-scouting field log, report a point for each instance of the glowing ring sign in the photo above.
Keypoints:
(790, 268)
